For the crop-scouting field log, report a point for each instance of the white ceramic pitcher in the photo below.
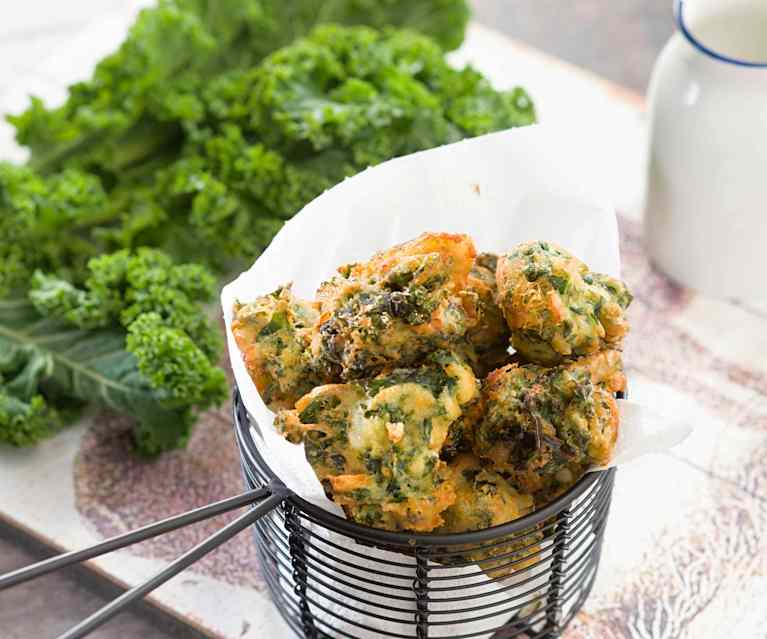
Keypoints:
(706, 204)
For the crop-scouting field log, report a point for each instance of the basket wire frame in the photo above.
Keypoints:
(332, 578)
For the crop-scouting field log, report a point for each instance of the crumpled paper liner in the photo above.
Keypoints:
(501, 189)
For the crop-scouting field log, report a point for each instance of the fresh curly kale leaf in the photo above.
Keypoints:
(45, 360)
(134, 339)
(123, 286)
(181, 375)
(276, 136)
(280, 186)
(374, 95)
(24, 423)
(123, 114)
(173, 364)
(25, 416)
(89, 365)
(96, 366)
(364, 95)
(41, 220)
(221, 221)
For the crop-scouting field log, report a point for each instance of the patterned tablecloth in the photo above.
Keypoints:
(685, 554)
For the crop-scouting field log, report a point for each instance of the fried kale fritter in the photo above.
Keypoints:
(484, 499)
(395, 308)
(605, 369)
(273, 334)
(556, 308)
(488, 334)
(544, 426)
(375, 444)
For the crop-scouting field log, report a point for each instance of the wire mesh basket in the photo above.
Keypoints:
(330, 577)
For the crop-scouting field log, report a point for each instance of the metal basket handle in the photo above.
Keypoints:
(270, 496)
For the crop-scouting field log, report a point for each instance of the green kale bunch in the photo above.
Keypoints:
(272, 138)
(132, 107)
(134, 339)
(353, 97)
(259, 144)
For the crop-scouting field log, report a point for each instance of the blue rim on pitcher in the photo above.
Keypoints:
(684, 28)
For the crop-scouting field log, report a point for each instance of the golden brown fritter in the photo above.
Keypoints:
(273, 334)
(556, 308)
(488, 334)
(605, 369)
(395, 308)
(544, 426)
(375, 444)
(484, 499)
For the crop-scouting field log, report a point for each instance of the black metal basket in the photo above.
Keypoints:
(330, 577)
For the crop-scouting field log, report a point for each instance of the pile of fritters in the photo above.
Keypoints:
(414, 411)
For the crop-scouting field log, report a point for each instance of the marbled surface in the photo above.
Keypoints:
(116, 492)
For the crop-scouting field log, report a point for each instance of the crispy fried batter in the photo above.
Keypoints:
(485, 498)
(544, 427)
(395, 308)
(556, 308)
(375, 444)
(488, 334)
(605, 368)
(273, 334)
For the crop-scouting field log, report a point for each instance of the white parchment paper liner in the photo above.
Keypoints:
(501, 189)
